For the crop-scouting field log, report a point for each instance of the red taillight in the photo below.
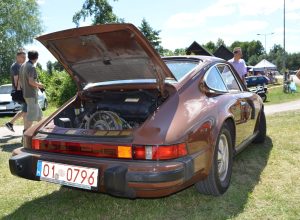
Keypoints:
(161, 152)
(88, 149)
(139, 152)
(35, 144)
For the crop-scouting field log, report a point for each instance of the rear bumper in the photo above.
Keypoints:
(120, 178)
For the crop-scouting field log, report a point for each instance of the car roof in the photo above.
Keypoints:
(194, 57)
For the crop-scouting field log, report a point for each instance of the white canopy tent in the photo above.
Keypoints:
(264, 65)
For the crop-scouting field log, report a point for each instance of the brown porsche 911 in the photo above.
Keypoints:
(140, 125)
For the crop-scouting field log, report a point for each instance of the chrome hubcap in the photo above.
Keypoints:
(223, 157)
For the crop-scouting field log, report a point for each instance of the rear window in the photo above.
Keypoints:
(180, 68)
(5, 89)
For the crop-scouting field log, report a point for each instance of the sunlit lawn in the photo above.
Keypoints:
(265, 185)
(276, 95)
(7, 117)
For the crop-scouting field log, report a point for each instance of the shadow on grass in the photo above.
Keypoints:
(76, 204)
(10, 147)
(5, 144)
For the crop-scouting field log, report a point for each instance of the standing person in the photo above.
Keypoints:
(30, 86)
(14, 72)
(238, 63)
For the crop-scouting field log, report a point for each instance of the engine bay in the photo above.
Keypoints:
(110, 110)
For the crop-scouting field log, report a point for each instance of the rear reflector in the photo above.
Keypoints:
(124, 152)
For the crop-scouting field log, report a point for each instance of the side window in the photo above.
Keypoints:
(229, 79)
(214, 80)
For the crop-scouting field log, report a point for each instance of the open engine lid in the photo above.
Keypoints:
(107, 52)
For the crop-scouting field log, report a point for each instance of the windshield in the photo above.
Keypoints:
(5, 89)
(181, 68)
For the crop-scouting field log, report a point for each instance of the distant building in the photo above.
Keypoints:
(197, 49)
(223, 52)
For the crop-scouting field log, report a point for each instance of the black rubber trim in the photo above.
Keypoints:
(115, 182)
(22, 165)
(147, 177)
(188, 166)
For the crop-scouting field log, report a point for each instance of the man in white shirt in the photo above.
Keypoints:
(238, 63)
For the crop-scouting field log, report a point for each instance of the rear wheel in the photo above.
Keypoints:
(218, 179)
(262, 129)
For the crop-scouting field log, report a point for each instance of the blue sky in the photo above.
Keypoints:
(182, 22)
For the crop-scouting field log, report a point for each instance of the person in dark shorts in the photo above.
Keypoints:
(14, 72)
(30, 86)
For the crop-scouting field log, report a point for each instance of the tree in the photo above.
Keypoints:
(49, 67)
(249, 48)
(54, 66)
(167, 52)
(57, 66)
(255, 48)
(180, 51)
(220, 42)
(100, 10)
(253, 60)
(19, 24)
(276, 56)
(293, 61)
(152, 35)
(210, 46)
(39, 66)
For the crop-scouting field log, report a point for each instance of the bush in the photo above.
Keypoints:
(59, 86)
(4, 78)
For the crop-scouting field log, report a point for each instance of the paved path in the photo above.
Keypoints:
(287, 106)
(269, 109)
(7, 134)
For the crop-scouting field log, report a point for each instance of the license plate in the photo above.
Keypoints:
(69, 175)
(2, 107)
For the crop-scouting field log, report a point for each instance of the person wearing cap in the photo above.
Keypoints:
(15, 81)
(238, 63)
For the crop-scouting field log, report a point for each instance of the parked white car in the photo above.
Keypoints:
(7, 105)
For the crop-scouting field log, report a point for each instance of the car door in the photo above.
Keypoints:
(243, 109)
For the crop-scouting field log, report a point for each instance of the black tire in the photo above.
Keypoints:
(264, 98)
(262, 129)
(216, 184)
(45, 105)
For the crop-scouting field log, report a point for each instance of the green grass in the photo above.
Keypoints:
(7, 117)
(276, 95)
(265, 185)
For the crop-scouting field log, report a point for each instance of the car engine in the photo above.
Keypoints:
(111, 110)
